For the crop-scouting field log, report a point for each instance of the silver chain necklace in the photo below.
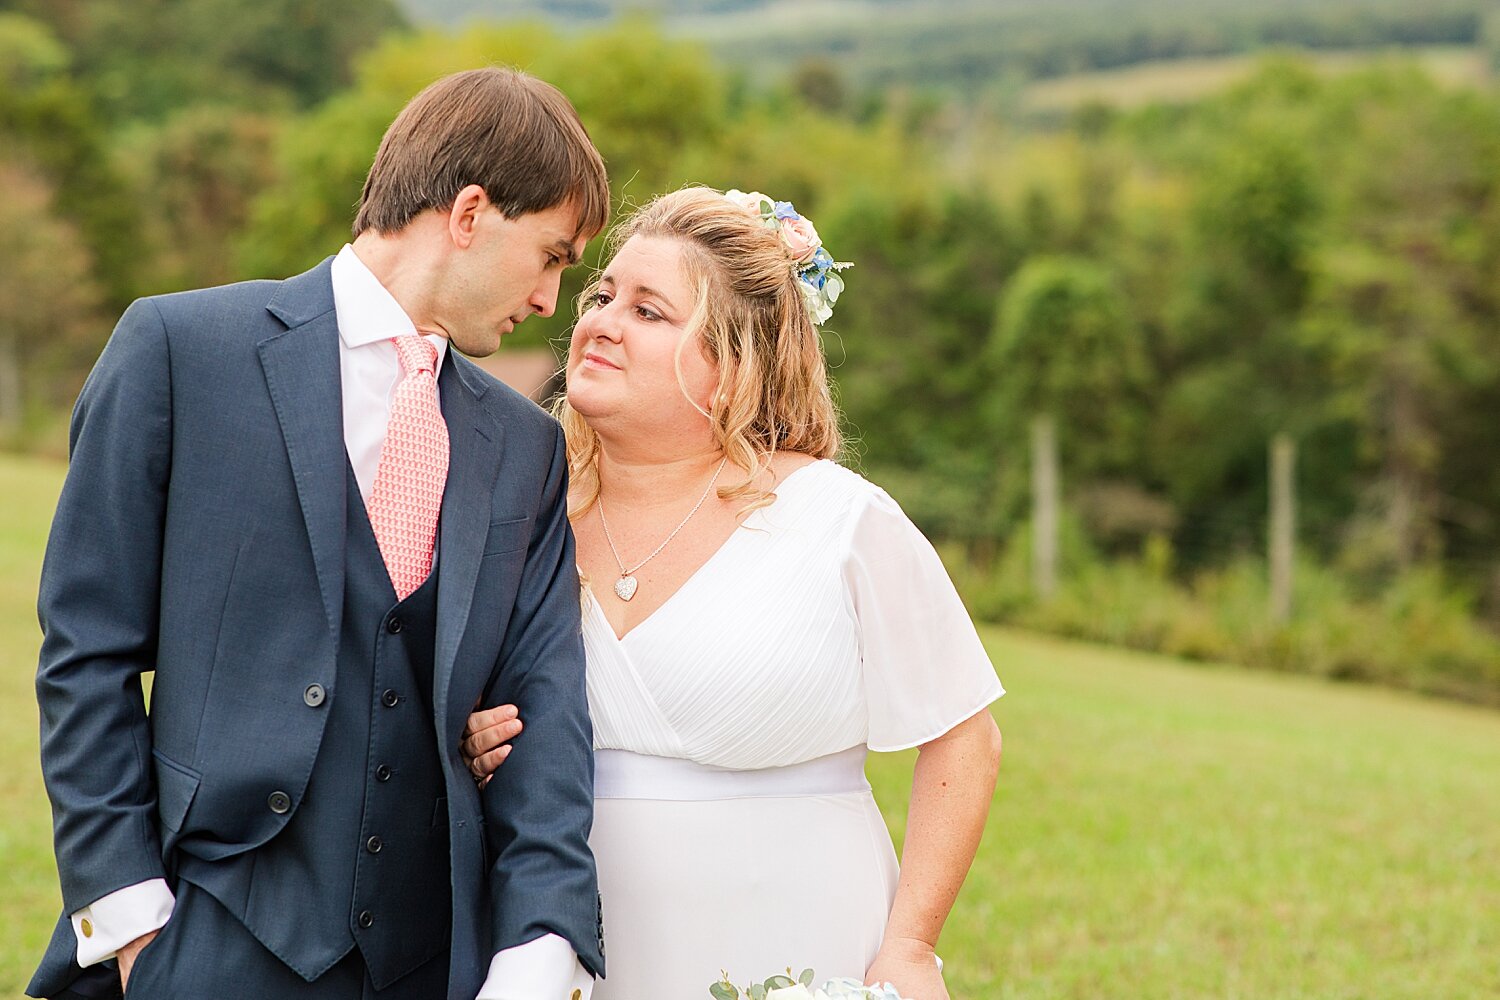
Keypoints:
(626, 585)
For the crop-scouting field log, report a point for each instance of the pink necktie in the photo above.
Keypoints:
(408, 491)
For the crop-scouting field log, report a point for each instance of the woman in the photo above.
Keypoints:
(755, 618)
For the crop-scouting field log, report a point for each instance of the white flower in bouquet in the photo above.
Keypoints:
(796, 992)
(784, 987)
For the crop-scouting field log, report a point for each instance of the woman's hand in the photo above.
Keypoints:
(911, 966)
(486, 741)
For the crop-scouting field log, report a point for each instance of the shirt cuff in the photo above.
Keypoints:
(109, 924)
(544, 969)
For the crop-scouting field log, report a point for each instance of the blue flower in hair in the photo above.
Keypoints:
(784, 210)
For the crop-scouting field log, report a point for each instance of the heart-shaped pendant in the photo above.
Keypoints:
(625, 587)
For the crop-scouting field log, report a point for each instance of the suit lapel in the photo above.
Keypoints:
(475, 447)
(302, 373)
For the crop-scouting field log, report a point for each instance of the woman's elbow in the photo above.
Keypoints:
(994, 744)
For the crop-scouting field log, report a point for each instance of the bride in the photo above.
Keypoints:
(756, 618)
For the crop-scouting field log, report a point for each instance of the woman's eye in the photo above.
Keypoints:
(599, 299)
(647, 314)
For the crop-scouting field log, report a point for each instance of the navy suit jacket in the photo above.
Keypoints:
(200, 535)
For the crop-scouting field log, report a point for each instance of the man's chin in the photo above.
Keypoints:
(477, 345)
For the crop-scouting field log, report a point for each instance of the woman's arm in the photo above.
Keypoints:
(951, 791)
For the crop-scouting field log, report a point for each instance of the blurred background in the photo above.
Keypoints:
(1174, 323)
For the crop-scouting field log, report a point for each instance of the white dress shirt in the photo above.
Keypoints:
(546, 968)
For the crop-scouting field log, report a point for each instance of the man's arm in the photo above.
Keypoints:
(540, 806)
(98, 607)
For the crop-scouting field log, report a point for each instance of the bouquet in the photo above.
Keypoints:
(784, 987)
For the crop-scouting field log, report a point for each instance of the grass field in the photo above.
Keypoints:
(1161, 830)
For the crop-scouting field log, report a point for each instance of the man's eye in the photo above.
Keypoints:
(553, 260)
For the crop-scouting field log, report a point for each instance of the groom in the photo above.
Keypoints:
(329, 534)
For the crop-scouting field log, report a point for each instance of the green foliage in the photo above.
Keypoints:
(1301, 253)
(48, 118)
(1419, 632)
(192, 179)
(1064, 343)
(146, 58)
(39, 333)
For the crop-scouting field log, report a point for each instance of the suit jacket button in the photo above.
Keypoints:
(389, 698)
(280, 803)
(366, 919)
(314, 695)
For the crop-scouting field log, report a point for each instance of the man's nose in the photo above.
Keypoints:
(544, 298)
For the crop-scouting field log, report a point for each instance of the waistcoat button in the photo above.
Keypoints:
(383, 772)
(374, 844)
(389, 698)
(394, 626)
(366, 919)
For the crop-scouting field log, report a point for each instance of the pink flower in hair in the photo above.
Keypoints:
(800, 238)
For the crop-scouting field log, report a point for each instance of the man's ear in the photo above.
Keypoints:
(463, 215)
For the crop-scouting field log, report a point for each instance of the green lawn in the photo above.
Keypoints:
(1161, 830)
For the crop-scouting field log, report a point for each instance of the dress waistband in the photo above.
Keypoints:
(621, 774)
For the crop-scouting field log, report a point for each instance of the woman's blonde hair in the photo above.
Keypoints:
(755, 328)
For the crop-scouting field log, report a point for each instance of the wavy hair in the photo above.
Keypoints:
(753, 323)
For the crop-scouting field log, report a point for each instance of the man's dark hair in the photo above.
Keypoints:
(515, 136)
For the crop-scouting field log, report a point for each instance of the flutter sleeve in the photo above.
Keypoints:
(925, 670)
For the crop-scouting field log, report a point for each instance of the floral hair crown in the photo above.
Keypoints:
(814, 266)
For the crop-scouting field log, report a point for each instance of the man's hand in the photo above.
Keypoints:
(127, 955)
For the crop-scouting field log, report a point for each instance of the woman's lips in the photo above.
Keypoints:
(592, 360)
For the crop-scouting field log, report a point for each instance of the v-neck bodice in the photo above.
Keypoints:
(764, 656)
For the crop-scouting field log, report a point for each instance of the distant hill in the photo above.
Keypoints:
(978, 43)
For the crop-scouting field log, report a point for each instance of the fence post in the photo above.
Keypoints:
(1044, 503)
(1283, 525)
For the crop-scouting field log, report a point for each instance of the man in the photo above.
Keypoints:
(329, 535)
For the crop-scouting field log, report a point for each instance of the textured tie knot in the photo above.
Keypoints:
(416, 353)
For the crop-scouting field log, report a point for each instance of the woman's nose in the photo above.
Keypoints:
(601, 323)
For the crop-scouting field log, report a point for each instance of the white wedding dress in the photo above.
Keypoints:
(734, 829)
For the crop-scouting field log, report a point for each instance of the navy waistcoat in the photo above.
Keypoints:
(372, 829)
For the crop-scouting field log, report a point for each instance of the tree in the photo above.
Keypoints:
(39, 332)
(48, 119)
(147, 58)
